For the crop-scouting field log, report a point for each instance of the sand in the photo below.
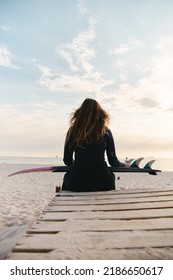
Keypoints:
(23, 197)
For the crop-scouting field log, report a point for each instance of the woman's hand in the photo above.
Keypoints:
(127, 165)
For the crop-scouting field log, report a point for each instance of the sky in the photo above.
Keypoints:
(56, 53)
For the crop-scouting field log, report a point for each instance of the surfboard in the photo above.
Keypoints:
(134, 167)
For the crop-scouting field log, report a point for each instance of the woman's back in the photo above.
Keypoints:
(87, 140)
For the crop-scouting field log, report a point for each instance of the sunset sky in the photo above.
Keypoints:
(55, 53)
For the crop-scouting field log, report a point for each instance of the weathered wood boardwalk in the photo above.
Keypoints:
(121, 224)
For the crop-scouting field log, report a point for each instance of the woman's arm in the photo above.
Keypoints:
(68, 155)
(110, 150)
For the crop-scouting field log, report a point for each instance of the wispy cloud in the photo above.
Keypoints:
(83, 77)
(159, 84)
(46, 71)
(8, 28)
(65, 54)
(148, 102)
(123, 59)
(6, 58)
(80, 50)
(151, 90)
(32, 131)
(82, 10)
(125, 48)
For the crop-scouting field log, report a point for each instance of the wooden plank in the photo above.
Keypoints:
(98, 254)
(119, 206)
(131, 224)
(113, 201)
(100, 214)
(95, 240)
(100, 225)
(130, 192)
(104, 207)
(114, 195)
(117, 191)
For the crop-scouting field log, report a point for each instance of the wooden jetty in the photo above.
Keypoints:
(120, 224)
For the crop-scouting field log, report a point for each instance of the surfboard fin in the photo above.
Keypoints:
(136, 162)
(148, 166)
(149, 163)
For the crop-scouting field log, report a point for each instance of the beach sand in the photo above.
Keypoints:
(23, 197)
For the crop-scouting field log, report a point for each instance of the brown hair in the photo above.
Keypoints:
(87, 124)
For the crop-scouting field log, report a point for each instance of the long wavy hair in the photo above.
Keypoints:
(88, 124)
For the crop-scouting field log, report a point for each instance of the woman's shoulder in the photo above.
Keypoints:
(108, 131)
(108, 134)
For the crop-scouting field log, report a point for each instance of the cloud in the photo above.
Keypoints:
(6, 58)
(75, 84)
(69, 58)
(148, 102)
(7, 28)
(125, 48)
(159, 84)
(40, 131)
(123, 57)
(82, 10)
(138, 84)
(139, 145)
(17, 120)
(152, 84)
(46, 71)
(79, 52)
(83, 76)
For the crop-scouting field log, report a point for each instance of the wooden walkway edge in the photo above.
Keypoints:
(121, 224)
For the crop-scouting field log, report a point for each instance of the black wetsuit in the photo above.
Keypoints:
(89, 168)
